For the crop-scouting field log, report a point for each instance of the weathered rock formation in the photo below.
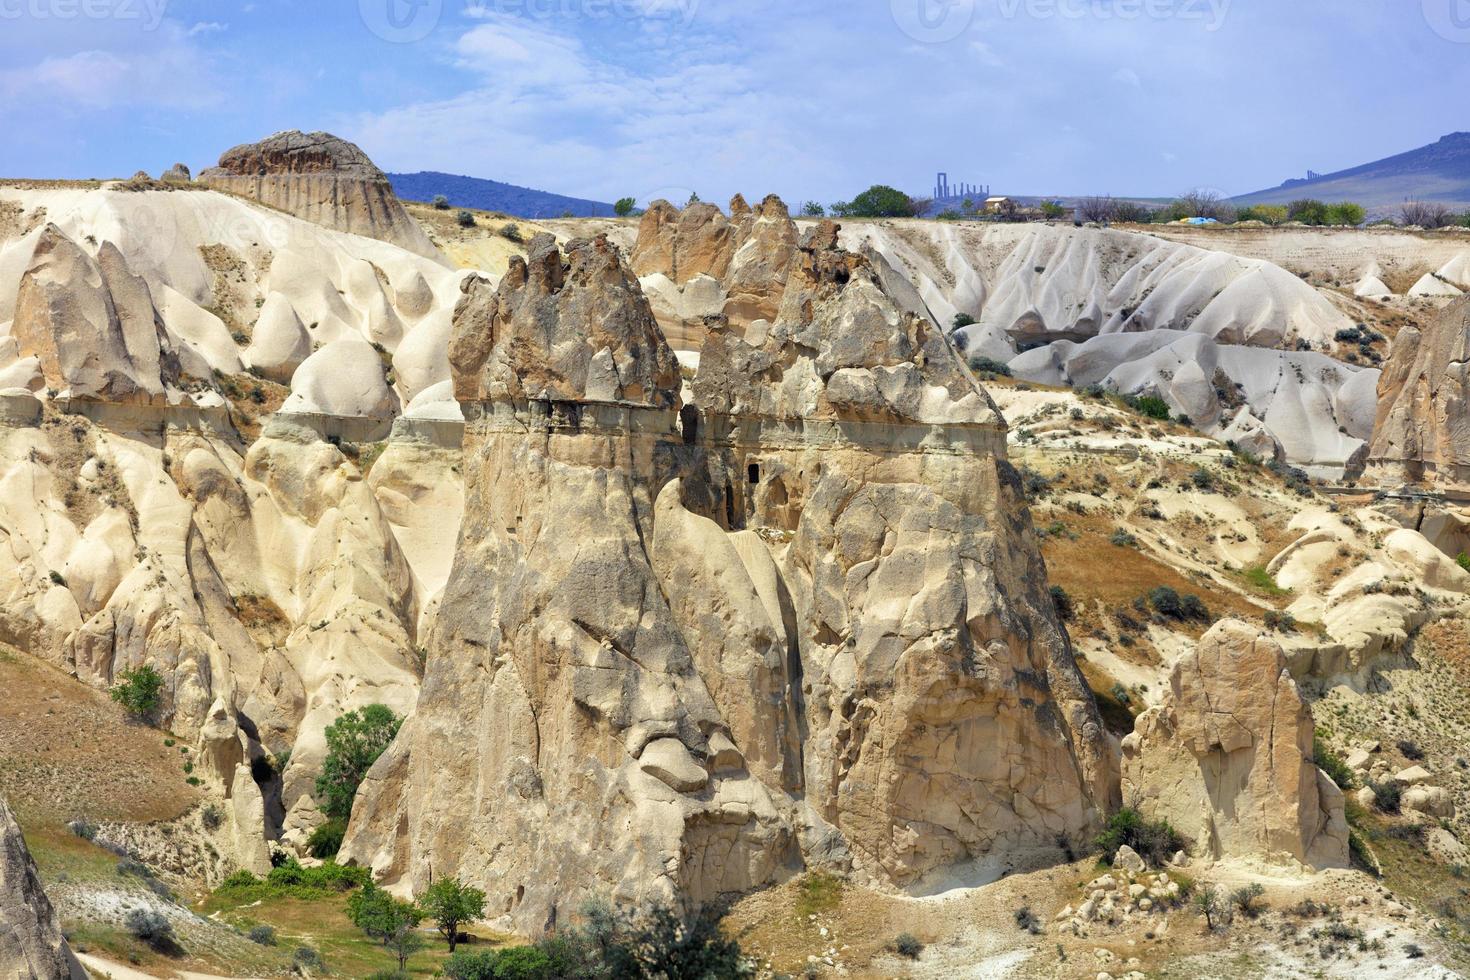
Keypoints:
(323, 179)
(31, 944)
(1423, 429)
(1227, 758)
(91, 324)
(696, 263)
(800, 622)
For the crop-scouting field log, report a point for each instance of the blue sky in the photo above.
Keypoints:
(811, 99)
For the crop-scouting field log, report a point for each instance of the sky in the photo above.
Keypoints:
(810, 99)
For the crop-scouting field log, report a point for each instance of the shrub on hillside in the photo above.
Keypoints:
(465, 219)
(985, 367)
(326, 840)
(441, 203)
(140, 692)
(908, 946)
(150, 926)
(1156, 841)
(1063, 603)
(1426, 214)
(1168, 602)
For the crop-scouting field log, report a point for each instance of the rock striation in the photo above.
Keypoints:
(1422, 433)
(31, 944)
(320, 178)
(800, 622)
(1227, 757)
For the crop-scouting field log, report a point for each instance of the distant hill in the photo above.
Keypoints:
(1438, 172)
(492, 195)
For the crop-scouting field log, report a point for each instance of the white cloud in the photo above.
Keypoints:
(1129, 77)
(985, 54)
(207, 27)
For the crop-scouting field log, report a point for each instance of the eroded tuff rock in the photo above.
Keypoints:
(697, 263)
(91, 324)
(1423, 429)
(1227, 758)
(617, 354)
(31, 944)
(801, 622)
(320, 178)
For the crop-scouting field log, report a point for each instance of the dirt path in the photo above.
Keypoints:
(100, 968)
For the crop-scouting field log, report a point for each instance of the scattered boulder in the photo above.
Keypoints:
(1227, 757)
(177, 174)
(1432, 801)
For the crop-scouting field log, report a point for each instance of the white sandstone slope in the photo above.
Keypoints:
(234, 285)
(1031, 284)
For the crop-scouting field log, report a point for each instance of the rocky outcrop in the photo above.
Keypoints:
(31, 944)
(697, 263)
(616, 355)
(1227, 757)
(90, 323)
(1422, 434)
(323, 179)
(801, 622)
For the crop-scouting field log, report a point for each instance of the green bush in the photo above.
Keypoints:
(1063, 604)
(1308, 211)
(516, 963)
(354, 743)
(1464, 561)
(879, 201)
(464, 219)
(326, 840)
(1156, 841)
(1346, 213)
(262, 936)
(140, 692)
(908, 946)
(962, 320)
(152, 927)
(1269, 214)
(1168, 602)
(1387, 796)
(984, 366)
(292, 880)
(1150, 406)
(1245, 898)
(1330, 763)
(441, 203)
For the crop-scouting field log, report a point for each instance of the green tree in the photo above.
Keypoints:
(1346, 213)
(812, 209)
(391, 922)
(441, 203)
(625, 206)
(140, 692)
(451, 904)
(1052, 209)
(881, 201)
(1308, 211)
(354, 742)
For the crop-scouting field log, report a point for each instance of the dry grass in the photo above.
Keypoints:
(67, 751)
